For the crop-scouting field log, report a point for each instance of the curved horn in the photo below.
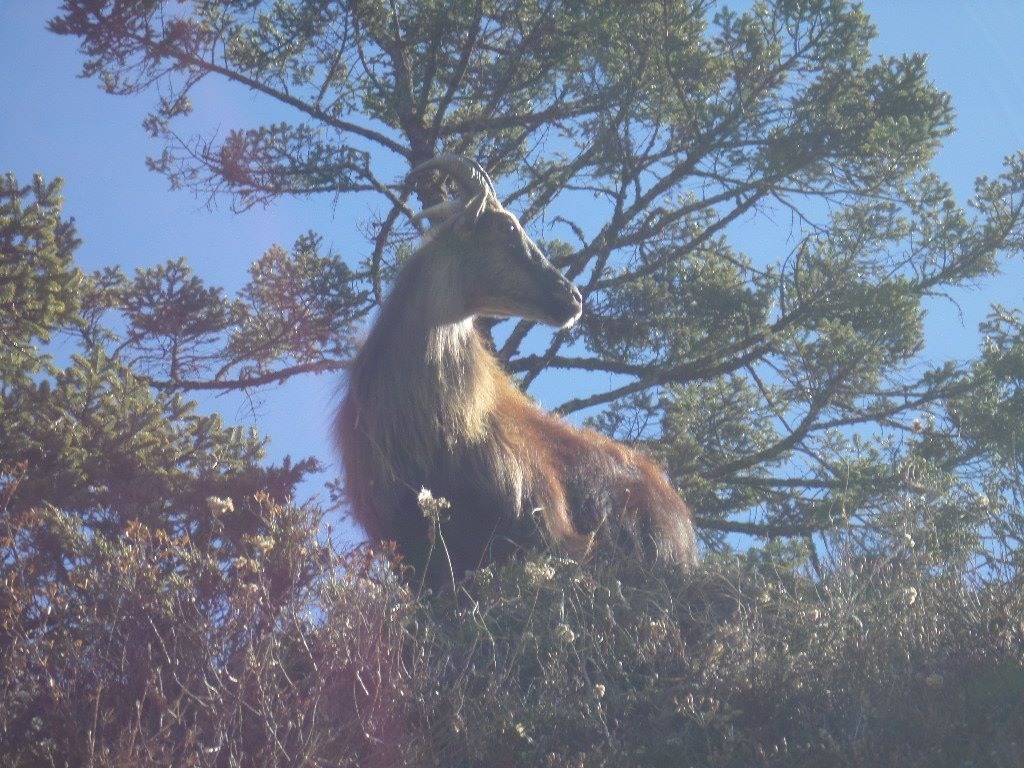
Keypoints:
(471, 178)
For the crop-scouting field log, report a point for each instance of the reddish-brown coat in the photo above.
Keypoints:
(429, 406)
(528, 478)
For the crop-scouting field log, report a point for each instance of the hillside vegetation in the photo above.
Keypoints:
(747, 202)
(148, 652)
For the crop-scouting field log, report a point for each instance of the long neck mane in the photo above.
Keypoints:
(424, 380)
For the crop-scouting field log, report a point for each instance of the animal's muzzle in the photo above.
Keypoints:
(571, 306)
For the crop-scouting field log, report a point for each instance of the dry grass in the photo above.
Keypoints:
(150, 650)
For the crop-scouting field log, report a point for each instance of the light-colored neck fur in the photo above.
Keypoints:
(424, 373)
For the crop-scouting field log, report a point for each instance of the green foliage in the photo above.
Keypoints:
(38, 284)
(296, 314)
(94, 442)
(161, 602)
(747, 369)
(128, 520)
(298, 306)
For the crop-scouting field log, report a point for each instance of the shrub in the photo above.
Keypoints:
(149, 650)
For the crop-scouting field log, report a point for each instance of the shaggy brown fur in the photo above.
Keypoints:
(429, 406)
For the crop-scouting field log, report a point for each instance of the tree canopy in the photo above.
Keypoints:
(779, 382)
(745, 200)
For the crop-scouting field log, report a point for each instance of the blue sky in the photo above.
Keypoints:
(58, 124)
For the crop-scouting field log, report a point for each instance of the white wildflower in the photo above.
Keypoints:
(430, 506)
(564, 633)
(539, 573)
(218, 506)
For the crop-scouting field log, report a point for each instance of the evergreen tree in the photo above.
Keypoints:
(94, 441)
(161, 602)
(780, 383)
(131, 526)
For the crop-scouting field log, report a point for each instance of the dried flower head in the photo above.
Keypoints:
(539, 573)
(218, 506)
(564, 633)
(432, 506)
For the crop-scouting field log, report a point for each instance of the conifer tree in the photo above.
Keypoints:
(778, 381)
